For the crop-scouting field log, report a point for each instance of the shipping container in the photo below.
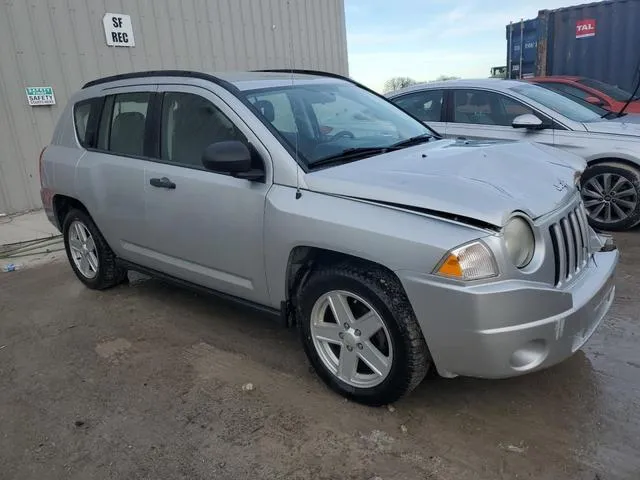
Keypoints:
(597, 40)
(55, 46)
(522, 44)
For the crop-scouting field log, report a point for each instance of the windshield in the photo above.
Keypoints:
(556, 102)
(324, 120)
(618, 94)
(595, 108)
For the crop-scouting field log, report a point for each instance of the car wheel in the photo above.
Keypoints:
(93, 262)
(611, 194)
(360, 333)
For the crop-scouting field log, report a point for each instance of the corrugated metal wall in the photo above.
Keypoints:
(61, 43)
(611, 55)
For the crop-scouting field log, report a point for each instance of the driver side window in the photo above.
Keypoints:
(190, 123)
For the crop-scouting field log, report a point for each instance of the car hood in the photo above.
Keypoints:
(629, 125)
(628, 118)
(479, 181)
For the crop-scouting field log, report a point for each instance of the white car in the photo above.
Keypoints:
(513, 110)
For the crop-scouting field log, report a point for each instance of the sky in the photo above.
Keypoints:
(424, 39)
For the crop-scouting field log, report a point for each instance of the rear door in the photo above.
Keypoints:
(202, 226)
(110, 176)
(483, 114)
(427, 106)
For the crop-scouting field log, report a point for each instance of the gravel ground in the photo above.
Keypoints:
(146, 381)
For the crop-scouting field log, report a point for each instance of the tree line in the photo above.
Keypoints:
(397, 83)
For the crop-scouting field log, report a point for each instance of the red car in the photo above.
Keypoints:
(593, 91)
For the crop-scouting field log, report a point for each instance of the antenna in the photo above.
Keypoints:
(291, 68)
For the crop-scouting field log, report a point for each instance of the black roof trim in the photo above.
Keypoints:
(159, 73)
(318, 73)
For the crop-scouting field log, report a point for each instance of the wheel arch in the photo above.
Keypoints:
(62, 204)
(303, 258)
(635, 164)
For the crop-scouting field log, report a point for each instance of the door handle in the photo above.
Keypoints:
(163, 182)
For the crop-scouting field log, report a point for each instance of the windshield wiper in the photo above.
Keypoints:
(422, 138)
(350, 155)
(357, 153)
(609, 115)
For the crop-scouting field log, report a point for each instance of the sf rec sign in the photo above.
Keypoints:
(118, 30)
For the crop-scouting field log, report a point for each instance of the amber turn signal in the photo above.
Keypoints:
(451, 267)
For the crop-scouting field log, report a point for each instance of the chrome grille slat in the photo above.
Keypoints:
(561, 253)
(577, 231)
(570, 238)
(570, 245)
(585, 224)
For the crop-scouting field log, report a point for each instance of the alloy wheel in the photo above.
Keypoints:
(83, 249)
(351, 339)
(609, 198)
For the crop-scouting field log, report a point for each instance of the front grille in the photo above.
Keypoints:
(570, 239)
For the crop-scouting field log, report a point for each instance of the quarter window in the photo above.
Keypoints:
(190, 123)
(426, 105)
(486, 108)
(85, 115)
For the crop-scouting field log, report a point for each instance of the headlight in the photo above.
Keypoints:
(472, 261)
(520, 242)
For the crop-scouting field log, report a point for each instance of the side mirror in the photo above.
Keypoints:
(528, 121)
(594, 101)
(231, 157)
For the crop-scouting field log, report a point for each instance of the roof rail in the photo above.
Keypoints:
(319, 73)
(158, 73)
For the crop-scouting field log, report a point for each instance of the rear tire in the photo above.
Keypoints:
(611, 194)
(398, 346)
(91, 259)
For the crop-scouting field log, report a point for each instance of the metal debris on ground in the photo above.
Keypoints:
(247, 387)
(513, 448)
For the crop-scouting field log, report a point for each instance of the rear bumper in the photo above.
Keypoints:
(509, 328)
(46, 195)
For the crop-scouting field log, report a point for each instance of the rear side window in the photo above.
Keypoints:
(426, 106)
(122, 126)
(85, 119)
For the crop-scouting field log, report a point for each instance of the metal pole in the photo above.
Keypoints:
(521, 44)
(509, 48)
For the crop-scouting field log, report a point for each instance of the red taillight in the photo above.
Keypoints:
(40, 164)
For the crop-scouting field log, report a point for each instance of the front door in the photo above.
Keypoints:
(204, 227)
(481, 114)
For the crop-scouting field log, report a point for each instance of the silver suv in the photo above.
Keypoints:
(313, 198)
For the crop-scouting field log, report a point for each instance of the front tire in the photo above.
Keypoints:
(360, 333)
(91, 259)
(611, 194)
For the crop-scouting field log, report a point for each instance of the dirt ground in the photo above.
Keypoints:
(145, 381)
